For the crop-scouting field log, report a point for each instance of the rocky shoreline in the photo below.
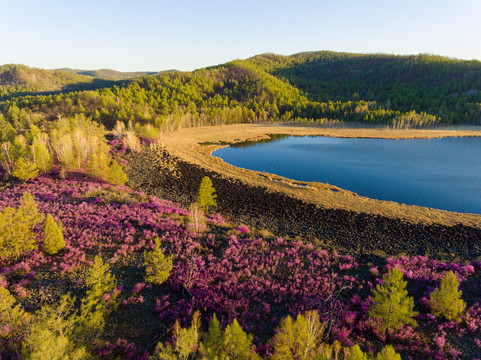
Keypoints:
(166, 176)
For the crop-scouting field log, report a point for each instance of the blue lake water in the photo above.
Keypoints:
(438, 173)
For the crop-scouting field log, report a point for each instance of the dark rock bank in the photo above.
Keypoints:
(357, 233)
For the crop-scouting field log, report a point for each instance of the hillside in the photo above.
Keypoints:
(109, 251)
(20, 80)
(320, 88)
(445, 87)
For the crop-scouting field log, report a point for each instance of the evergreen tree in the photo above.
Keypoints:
(12, 315)
(185, 342)
(157, 265)
(206, 197)
(53, 240)
(388, 353)
(53, 334)
(391, 306)
(100, 298)
(116, 174)
(237, 344)
(355, 353)
(446, 300)
(212, 341)
(98, 166)
(16, 228)
(24, 170)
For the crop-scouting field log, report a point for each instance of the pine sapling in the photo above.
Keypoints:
(116, 175)
(157, 265)
(391, 306)
(53, 240)
(446, 300)
(207, 196)
(100, 298)
(24, 170)
(388, 353)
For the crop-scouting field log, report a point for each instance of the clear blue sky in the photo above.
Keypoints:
(187, 34)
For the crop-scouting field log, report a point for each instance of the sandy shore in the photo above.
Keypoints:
(195, 145)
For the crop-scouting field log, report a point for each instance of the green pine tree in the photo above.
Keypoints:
(446, 300)
(12, 315)
(53, 240)
(98, 166)
(100, 298)
(16, 228)
(237, 344)
(206, 197)
(388, 353)
(116, 174)
(212, 341)
(355, 353)
(391, 306)
(53, 333)
(24, 170)
(157, 265)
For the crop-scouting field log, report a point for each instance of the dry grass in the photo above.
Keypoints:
(188, 145)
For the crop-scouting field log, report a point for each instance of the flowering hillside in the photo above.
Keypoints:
(224, 269)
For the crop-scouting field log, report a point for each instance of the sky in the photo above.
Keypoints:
(149, 35)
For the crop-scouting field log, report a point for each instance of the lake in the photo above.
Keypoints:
(437, 173)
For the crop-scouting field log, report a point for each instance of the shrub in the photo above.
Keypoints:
(196, 217)
(100, 298)
(206, 197)
(391, 306)
(53, 240)
(119, 129)
(16, 228)
(446, 300)
(116, 175)
(157, 265)
(24, 170)
(131, 141)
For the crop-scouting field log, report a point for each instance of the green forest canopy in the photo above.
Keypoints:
(317, 87)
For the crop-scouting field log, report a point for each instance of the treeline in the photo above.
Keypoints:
(237, 92)
(447, 88)
(398, 91)
(70, 144)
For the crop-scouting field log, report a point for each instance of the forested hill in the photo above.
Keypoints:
(18, 80)
(400, 91)
(445, 87)
(109, 74)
